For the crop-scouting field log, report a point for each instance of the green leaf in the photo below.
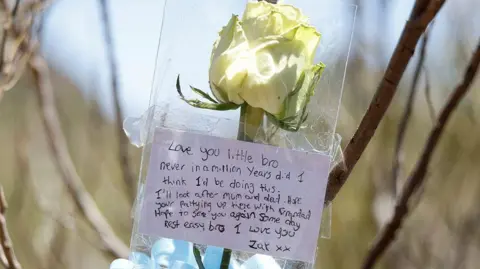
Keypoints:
(298, 85)
(290, 126)
(299, 98)
(195, 90)
(220, 107)
(203, 94)
(199, 104)
(198, 257)
(317, 71)
(179, 90)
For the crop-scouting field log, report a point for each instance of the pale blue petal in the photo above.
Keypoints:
(161, 261)
(259, 261)
(139, 258)
(167, 251)
(183, 252)
(213, 257)
(163, 246)
(122, 264)
(183, 265)
(161, 252)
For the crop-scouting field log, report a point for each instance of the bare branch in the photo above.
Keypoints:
(402, 126)
(123, 142)
(3, 259)
(11, 71)
(3, 44)
(417, 177)
(26, 53)
(66, 221)
(5, 241)
(58, 147)
(428, 96)
(422, 14)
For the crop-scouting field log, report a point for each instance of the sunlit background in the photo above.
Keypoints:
(48, 231)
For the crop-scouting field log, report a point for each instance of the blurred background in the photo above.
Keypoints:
(48, 231)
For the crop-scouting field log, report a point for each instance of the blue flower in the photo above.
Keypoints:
(178, 254)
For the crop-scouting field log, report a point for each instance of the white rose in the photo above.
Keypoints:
(266, 60)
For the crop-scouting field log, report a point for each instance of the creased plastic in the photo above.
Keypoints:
(185, 48)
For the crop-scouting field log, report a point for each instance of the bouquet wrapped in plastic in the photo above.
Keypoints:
(265, 79)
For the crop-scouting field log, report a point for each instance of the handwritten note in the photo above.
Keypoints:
(239, 195)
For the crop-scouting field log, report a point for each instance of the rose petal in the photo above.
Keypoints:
(227, 66)
(262, 19)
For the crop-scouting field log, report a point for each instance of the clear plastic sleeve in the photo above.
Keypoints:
(185, 48)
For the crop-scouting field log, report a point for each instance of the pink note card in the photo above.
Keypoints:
(234, 194)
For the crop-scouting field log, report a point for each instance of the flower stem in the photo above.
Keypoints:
(227, 254)
(198, 257)
(250, 120)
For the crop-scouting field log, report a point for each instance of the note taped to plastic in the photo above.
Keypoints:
(234, 194)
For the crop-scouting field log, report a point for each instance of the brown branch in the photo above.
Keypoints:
(123, 142)
(2, 47)
(422, 14)
(417, 177)
(402, 126)
(3, 259)
(58, 147)
(5, 241)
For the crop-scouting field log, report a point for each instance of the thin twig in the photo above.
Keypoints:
(428, 96)
(15, 8)
(422, 14)
(123, 142)
(3, 259)
(6, 25)
(417, 177)
(402, 126)
(58, 147)
(3, 43)
(66, 221)
(5, 241)
(12, 70)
